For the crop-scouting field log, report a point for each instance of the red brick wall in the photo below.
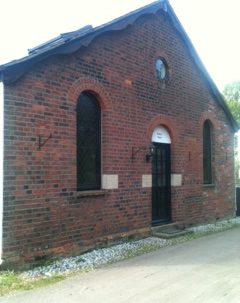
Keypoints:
(43, 214)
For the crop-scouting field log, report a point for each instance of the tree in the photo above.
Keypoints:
(231, 93)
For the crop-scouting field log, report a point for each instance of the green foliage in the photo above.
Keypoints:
(231, 91)
(237, 169)
(231, 94)
(234, 106)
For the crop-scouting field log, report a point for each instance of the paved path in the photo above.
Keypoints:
(202, 270)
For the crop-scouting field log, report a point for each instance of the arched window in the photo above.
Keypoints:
(88, 142)
(207, 153)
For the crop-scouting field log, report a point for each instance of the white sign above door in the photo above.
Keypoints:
(161, 135)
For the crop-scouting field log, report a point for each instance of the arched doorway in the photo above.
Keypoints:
(161, 176)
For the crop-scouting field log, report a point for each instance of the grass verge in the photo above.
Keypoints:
(12, 281)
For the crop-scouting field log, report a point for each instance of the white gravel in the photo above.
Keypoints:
(218, 226)
(97, 257)
(118, 252)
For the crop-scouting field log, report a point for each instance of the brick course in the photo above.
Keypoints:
(43, 213)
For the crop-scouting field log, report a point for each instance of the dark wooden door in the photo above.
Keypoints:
(161, 184)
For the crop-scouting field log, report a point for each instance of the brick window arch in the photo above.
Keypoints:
(207, 152)
(88, 142)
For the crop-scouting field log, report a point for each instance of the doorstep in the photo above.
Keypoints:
(169, 231)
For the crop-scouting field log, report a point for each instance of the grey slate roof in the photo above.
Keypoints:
(67, 43)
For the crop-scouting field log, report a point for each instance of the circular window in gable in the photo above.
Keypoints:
(161, 69)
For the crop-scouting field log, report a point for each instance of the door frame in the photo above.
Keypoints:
(161, 138)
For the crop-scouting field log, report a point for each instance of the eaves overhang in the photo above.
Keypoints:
(70, 42)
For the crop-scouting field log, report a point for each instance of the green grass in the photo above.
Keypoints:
(12, 281)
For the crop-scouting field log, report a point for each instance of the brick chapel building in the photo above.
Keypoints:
(108, 131)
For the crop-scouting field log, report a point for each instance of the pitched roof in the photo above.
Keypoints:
(70, 42)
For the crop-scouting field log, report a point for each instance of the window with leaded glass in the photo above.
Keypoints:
(207, 153)
(88, 142)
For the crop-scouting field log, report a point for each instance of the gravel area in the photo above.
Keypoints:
(218, 226)
(99, 257)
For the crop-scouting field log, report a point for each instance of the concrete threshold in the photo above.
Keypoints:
(169, 231)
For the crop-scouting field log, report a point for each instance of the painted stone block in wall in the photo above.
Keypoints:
(176, 179)
(109, 181)
(146, 180)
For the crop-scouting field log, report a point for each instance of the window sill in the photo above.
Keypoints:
(90, 193)
(209, 185)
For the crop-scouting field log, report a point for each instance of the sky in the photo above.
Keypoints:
(212, 25)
